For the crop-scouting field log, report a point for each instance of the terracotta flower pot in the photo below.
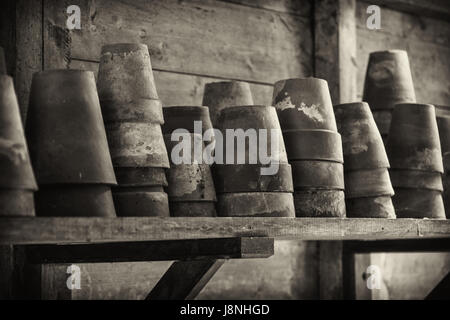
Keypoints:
(383, 120)
(193, 209)
(416, 179)
(368, 183)
(141, 177)
(414, 139)
(140, 110)
(318, 175)
(370, 207)
(444, 133)
(363, 147)
(304, 104)
(16, 203)
(220, 95)
(388, 80)
(418, 203)
(319, 203)
(2, 62)
(141, 202)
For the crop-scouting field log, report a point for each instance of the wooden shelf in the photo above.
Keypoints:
(98, 230)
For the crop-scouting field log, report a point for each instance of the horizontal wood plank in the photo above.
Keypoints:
(411, 245)
(439, 9)
(97, 230)
(195, 37)
(298, 7)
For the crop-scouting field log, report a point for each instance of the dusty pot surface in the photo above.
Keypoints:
(314, 174)
(370, 207)
(248, 178)
(444, 133)
(413, 141)
(220, 95)
(256, 204)
(2, 62)
(368, 183)
(416, 179)
(125, 73)
(362, 144)
(15, 165)
(65, 129)
(135, 144)
(16, 203)
(304, 104)
(140, 110)
(418, 203)
(141, 202)
(184, 117)
(141, 177)
(193, 209)
(383, 120)
(319, 203)
(388, 80)
(313, 145)
(74, 201)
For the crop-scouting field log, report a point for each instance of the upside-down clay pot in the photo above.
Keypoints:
(388, 80)
(304, 104)
(2, 62)
(17, 181)
(68, 145)
(141, 202)
(319, 203)
(446, 183)
(418, 203)
(363, 146)
(314, 174)
(444, 132)
(220, 95)
(370, 207)
(414, 139)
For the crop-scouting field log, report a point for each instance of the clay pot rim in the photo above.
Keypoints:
(311, 130)
(190, 108)
(306, 79)
(5, 77)
(249, 106)
(414, 105)
(388, 51)
(351, 104)
(225, 82)
(65, 72)
(124, 47)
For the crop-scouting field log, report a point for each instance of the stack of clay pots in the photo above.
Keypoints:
(368, 188)
(133, 117)
(2, 62)
(17, 182)
(191, 186)
(68, 146)
(220, 95)
(414, 153)
(313, 146)
(248, 187)
(444, 135)
(388, 82)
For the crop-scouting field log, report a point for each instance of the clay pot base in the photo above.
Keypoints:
(368, 183)
(320, 203)
(370, 207)
(417, 203)
(16, 203)
(183, 117)
(256, 204)
(74, 201)
(193, 209)
(383, 120)
(139, 110)
(318, 175)
(141, 177)
(141, 202)
(416, 179)
(248, 178)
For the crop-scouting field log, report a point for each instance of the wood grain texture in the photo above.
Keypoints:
(96, 230)
(439, 9)
(195, 37)
(299, 7)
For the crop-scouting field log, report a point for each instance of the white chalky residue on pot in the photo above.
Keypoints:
(284, 104)
(312, 112)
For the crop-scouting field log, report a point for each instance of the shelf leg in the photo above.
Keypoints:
(441, 291)
(184, 280)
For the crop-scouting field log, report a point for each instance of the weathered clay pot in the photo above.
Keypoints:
(220, 95)
(304, 104)
(256, 204)
(2, 62)
(248, 178)
(368, 183)
(416, 179)
(125, 73)
(383, 120)
(313, 145)
(140, 110)
(446, 182)
(184, 118)
(65, 130)
(70, 200)
(193, 209)
(16, 203)
(141, 177)
(319, 203)
(141, 202)
(363, 147)
(253, 118)
(15, 165)
(444, 133)
(370, 207)
(418, 203)
(135, 144)
(318, 175)
(388, 80)
(414, 139)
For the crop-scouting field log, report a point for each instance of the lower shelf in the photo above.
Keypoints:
(97, 230)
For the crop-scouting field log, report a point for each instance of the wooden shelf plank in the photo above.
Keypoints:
(97, 230)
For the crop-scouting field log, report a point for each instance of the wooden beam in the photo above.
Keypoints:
(438, 9)
(184, 280)
(226, 248)
(330, 270)
(98, 230)
(389, 246)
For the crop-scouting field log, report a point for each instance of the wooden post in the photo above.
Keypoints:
(335, 61)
